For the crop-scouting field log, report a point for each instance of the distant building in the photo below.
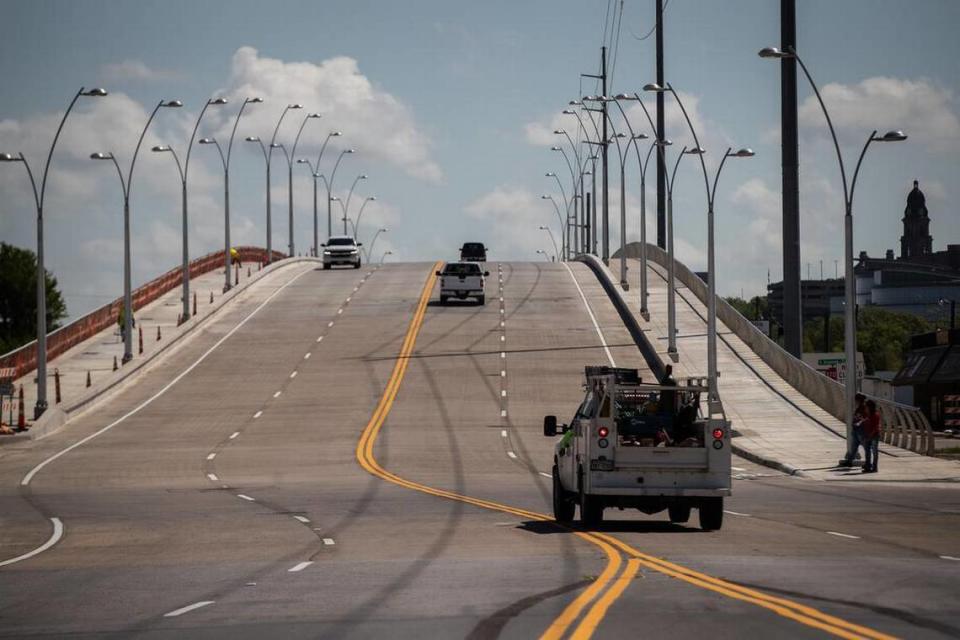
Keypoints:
(914, 283)
(932, 370)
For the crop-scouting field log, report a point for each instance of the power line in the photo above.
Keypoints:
(652, 29)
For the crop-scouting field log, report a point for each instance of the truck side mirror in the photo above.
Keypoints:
(359, 244)
(486, 274)
(323, 244)
(549, 426)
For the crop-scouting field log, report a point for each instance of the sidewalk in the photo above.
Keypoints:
(95, 356)
(777, 426)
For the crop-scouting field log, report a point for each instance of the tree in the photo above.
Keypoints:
(754, 309)
(18, 298)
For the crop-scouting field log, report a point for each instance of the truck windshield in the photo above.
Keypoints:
(459, 269)
(341, 242)
(641, 421)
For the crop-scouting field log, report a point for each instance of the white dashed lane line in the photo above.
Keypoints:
(737, 513)
(503, 433)
(319, 338)
(299, 567)
(843, 535)
(211, 456)
(293, 375)
(277, 394)
(503, 413)
(512, 454)
(330, 324)
(329, 541)
(307, 356)
(257, 414)
(188, 608)
(213, 477)
(302, 519)
(234, 435)
(545, 475)
(243, 496)
(950, 558)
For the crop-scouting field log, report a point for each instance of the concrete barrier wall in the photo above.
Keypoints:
(903, 426)
(24, 359)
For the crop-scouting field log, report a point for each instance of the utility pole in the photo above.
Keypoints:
(792, 309)
(606, 192)
(661, 134)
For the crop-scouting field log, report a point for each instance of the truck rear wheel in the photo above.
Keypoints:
(711, 514)
(563, 506)
(482, 300)
(591, 510)
(679, 513)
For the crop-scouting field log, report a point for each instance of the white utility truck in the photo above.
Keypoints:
(643, 446)
(462, 280)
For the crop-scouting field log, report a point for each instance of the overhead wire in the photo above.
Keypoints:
(652, 29)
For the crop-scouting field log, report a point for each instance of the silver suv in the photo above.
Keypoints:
(341, 250)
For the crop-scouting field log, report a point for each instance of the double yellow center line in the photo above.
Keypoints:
(608, 586)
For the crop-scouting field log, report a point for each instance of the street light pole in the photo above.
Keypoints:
(266, 162)
(293, 154)
(330, 188)
(850, 333)
(313, 172)
(356, 227)
(562, 255)
(374, 241)
(41, 404)
(316, 169)
(346, 207)
(384, 256)
(126, 185)
(552, 241)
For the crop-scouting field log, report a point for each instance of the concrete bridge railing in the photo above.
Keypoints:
(903, 425)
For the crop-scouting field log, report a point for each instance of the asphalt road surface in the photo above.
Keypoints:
(339, 456)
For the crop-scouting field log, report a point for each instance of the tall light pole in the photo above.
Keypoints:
(563, 241)
(225, 161)
(374, 241)
(546, 256)
(38, 198)
(316, 176)
(565, 225)
(266, 162)
(573, 179)
(360, 177)
(850, 332)
(270, 148)
(184, 172)
(286, 156)
(330, 187)
(552, 241)
(126, 186)
(316, 169)
(293, 154)
(384, 256)
(356, 227)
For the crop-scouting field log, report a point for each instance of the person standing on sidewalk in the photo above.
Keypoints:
(859, 415)
(871, 437)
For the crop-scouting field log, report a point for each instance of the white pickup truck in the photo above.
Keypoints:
(643, 446)
(462, 280)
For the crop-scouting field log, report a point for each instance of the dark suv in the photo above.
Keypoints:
(473, 252)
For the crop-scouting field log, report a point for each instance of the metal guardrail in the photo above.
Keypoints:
(904, 426)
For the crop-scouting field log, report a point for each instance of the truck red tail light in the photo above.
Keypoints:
(603, 432)
(718, 433)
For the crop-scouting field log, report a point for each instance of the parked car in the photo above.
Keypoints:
(341, 250)
(473, 252)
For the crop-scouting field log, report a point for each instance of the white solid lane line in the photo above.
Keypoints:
(277, 394)
(737, 469)
(843, 535)
(213, 477)
(234, 434)
(299, 567)
(544, 474)
(328, 541)
(191, 607)
(27, 478)
(302, 519)
(258, 414)
(293, 375)
(52, 540)
(950, 558)
(737, 513)
(245, 497)
(593, 319)
(211, 456)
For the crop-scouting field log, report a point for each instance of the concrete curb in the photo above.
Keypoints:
(757, 458)
(56, 417)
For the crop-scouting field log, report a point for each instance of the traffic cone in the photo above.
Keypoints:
(114, 363)
(140, 334)
(158, 333)
(248, 271)
(56, 384)
(194, 303)
(211, 297)
(88, 377)
(21, 418)
(236, 275)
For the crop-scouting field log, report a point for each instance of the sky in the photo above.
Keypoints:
(450, 107)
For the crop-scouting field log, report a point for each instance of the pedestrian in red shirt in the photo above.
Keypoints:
(871, 437)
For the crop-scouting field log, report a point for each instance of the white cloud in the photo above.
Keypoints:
(513, 215)
(135, 70)
(918, 107)
(374, 122)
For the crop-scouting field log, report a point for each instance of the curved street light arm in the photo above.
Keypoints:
(856, 172)
(46, 167)
(323, 148)
(186, 161)
(360, 215)
(263, 150)
(276, 129)
(226, 162)
(696, 141)
(183, 175)
(136, 151)
(33, 183)
(566, 203)
(123, 185)
(826, 114)
(223, 159)
(296, 140)
(716, 177)
(673, 174)
(352, 187)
